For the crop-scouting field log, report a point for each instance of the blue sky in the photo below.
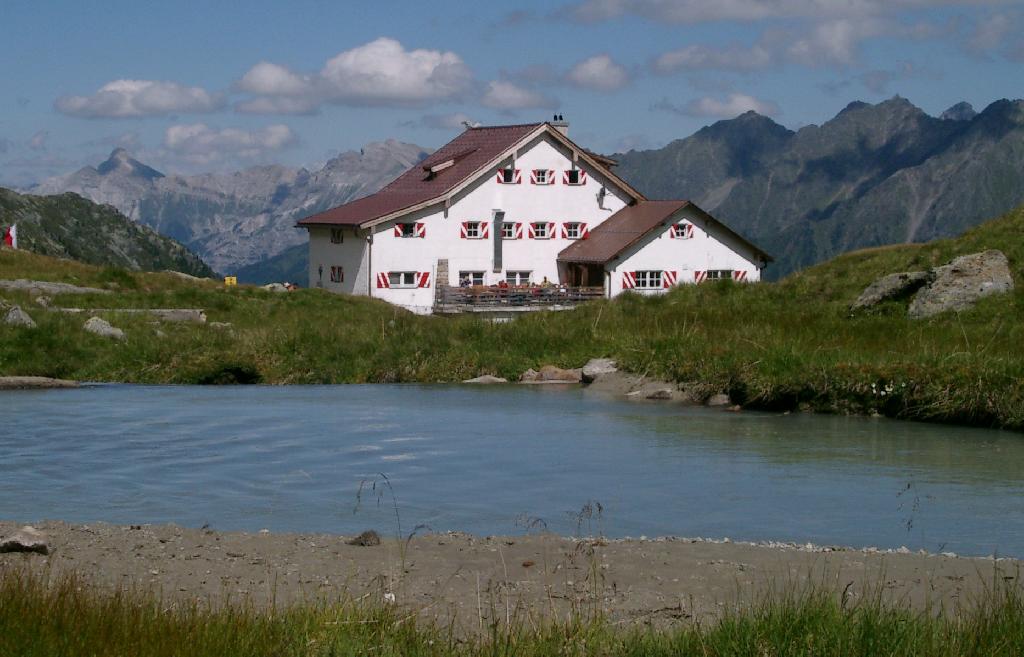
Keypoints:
(191, 87)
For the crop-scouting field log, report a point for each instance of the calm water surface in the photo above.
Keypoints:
(494, 460)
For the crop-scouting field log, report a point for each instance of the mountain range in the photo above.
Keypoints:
(874, 174)
(235, 219)
(69, 226)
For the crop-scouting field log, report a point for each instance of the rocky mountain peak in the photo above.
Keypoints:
(962, 111)
(122, 163)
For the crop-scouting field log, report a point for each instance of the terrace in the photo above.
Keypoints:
(521, 298)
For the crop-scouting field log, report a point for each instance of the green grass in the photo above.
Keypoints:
(781, 346)
(41, 616)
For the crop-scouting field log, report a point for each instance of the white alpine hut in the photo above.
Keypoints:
(525, 205)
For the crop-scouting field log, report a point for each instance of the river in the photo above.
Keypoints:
(502, 460)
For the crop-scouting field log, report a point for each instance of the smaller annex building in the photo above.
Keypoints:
(515, 210)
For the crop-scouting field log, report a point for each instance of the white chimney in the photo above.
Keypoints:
(560, 124)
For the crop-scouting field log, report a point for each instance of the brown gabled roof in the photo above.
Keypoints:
(473, 150)
(631, 224)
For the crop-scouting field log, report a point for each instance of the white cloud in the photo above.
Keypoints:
(198, 143)
(702, 58)
(833, 42)
(139, 98)
(504, 95)
(37, 142)
(698, 11)
(380, 73)
(599, 73)
(710, 107)
(990, 32)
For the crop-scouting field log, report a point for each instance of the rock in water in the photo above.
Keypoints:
(958, 285)
(18, 317)
(595, 367)
(718, 400)
(103, 328)
(366, 539)
(664, 394)
(486, 379)
(27, 539)
(893, 286)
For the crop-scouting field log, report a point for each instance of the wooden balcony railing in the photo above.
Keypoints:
(519, 296)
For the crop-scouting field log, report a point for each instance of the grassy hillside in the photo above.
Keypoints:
(782, 346)
(69, 226)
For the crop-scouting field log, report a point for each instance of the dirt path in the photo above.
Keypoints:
(473, 579)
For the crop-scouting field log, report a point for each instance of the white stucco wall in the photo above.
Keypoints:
(708, 249)
(350, 254)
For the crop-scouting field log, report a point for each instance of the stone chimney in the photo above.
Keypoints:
(559, 123)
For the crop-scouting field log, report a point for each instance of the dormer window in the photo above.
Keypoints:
(542, 177)
(682, 231)
(410, 230)
(509, 176)
(574, 177)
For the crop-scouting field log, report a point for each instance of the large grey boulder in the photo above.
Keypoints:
(46, 287)
(18, 317)
(959, 284)
(103, 328)
(27, 539)
(893, 286)
(595, 367)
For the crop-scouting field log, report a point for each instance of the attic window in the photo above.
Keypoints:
(408, 230)
(337, 236)
(542, 177)
(574, 177)
(509, 176)
(682, 231)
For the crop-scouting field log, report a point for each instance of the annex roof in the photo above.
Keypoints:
(631, 224)
(455, 164)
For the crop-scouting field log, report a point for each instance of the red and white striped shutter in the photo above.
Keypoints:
(398, 230)
(668, 278)
(565, 177)
(551, 230)
(628, 280)
(519, 177)
(423, 279)
(519, 231)
(531, 233)
(465, 230)
(421, 229)
(672, 232)
(583, 177)
(382, 280)
(551, 177)
(485, 230)
(700, 276)
(584, 231)
(739, 276)
(533, 176)
(565, 231)
(501, 177)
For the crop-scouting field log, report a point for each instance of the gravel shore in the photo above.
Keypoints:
(473, 579)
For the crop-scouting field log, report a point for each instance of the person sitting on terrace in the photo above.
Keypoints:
(503, 284)
(545, 282)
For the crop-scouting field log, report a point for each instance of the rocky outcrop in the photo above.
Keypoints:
(890, 288)
(595, 367)
(102, 328)
(18, 317)
(369, 538)
(961, 283)
(46, 287)
(27, 539)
